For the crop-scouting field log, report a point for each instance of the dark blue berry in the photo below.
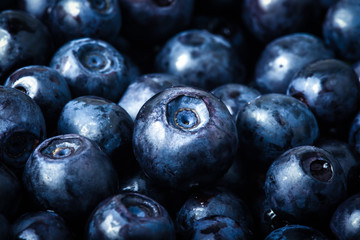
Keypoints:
(201, 59)
(184, 137)
(92, 67)
(104, 122)
(70, 175)
(72, 19)
(330, 88)
(305, 184)
(130, 216)
(271, 124)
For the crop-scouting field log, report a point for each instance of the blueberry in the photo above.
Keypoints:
(344, 222)
(72, 19)
(305, 184)
(92, 67)
(45, 86)
(341, 29)
(130, 216)
(330, 88)
(151, 21)
(284, 57)
(70, 175)
(220, 227)
(201, 58)
(104, 122)
(267, 20)
(209, 203)
(296, 232)
(24, 41)
(271, 124)
(22, 127)
(41, 225)
(184, 137)
(235, 96)
(143, 88)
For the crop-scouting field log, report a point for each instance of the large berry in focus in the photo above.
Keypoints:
(184, 137)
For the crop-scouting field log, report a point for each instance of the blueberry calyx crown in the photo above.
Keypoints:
(94, 58)
(187, 113)
(61, 152)
(61, 148)
(140, 207)
(318, 167)
(186, 118)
